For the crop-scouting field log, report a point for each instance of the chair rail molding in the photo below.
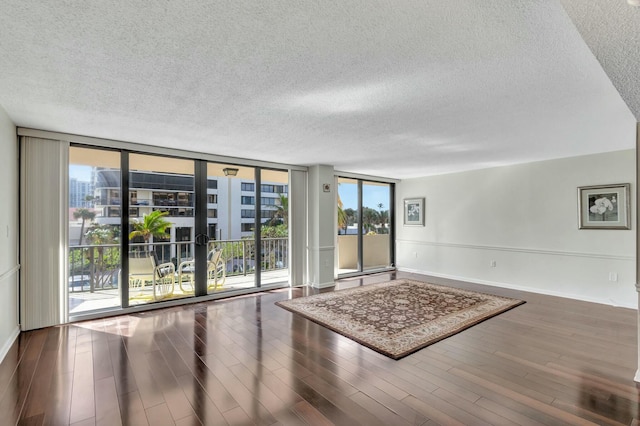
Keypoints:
(519, 250)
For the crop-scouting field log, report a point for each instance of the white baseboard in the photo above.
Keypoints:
(7, 345)
(521, 288)
(322, 285)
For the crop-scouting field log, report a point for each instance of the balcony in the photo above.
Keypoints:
(376, 252)
(95, 270)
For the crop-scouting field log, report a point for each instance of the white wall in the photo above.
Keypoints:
(524, 218)
(8, 234)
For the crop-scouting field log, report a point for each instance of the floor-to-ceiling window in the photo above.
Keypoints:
(247, 221)
(348, 208)
(365, 232)
(94, 229)
(161, 234)
(231, 214)
(376, 226)
(274, 229)
(192, 228)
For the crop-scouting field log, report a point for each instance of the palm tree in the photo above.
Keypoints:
(89, 200)
(384, 222)
(383, 217)
(369, 219)
(380, 207)
(283, 209)
(152, 224)
(351, 216)
(84, 214)
(342, 216)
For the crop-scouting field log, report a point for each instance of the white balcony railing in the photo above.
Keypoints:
(95, 267)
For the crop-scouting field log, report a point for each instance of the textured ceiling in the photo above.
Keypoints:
(611, 29)
(397, 89)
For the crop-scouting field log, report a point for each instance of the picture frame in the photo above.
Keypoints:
(604, 207)
(414, 211)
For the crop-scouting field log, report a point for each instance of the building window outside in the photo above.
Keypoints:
(212, 198)
(212, 213)
(212, 184)
(80, 192)
(173, 212)
(184, 234)
(246, 186)
(268, 214)
(277, 189)
(270, 201)
(151, 180)
(248, 201)
(247, 214)
(247, 227)
(185, 199)
(211, 230)
(173, 199)
(114, 197)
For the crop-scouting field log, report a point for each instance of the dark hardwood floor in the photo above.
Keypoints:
(551, 361)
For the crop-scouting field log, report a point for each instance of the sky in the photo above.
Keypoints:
(371, 197)
(82, 173)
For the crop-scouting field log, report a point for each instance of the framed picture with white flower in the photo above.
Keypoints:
(414, 211)
(604, 207)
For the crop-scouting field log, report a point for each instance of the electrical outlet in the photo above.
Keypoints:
(492, 264)
(613, 276)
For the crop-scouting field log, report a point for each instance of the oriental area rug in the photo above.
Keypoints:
(397, 318)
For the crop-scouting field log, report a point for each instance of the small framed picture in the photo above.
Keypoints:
(414, 211)
(604, 207)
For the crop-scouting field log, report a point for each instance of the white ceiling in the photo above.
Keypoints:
(388, 88)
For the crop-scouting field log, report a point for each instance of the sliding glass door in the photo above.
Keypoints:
(249, 229)
(161, 228)
(348, 232)
(365, 232)
(231, 221)
(189, 228)
(376, 226)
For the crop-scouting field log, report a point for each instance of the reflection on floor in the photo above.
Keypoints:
(246, 361)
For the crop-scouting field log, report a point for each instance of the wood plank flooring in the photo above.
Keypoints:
(245, 361)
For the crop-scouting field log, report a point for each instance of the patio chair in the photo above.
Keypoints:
(185, 276)
(216, 272)
(144, 271)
